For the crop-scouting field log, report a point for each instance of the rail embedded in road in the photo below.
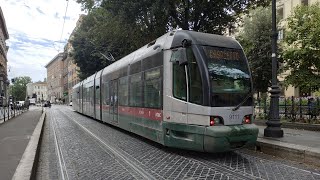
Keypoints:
(104, 148)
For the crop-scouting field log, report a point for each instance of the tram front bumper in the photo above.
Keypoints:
(226, 138)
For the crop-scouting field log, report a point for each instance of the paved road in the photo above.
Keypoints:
(77, 147)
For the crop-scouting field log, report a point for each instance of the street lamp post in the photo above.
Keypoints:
(273, 128)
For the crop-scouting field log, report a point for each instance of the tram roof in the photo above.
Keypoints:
(76, 86)
(204, 39)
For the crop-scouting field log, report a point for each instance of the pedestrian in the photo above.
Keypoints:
(27, 103)
(312, 108)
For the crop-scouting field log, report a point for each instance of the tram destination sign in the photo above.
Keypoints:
(225, 54)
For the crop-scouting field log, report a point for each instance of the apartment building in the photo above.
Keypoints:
(284, 9)
(70, 69)
(4, 82)
(55, 78)
(70, 77)
(39, 89)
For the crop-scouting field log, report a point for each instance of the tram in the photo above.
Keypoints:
(186, 89)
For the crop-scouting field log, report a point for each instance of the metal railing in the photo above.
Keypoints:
(291, 109)
(8, 112)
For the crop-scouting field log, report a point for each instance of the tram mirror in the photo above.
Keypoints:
(186, 43)
(180, 56)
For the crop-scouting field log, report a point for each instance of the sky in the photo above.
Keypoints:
(37, 33)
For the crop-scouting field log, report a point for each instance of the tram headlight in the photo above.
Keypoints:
(247, 119)
(214, 120)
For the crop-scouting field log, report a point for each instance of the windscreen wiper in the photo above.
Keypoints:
(245, 99)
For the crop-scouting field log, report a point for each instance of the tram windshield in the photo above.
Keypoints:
(229, 76)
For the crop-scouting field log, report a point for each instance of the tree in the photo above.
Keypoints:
(202, 15)
(19, 87)
(122, 26)
(302, 52)
(100, 35)
(256, 41)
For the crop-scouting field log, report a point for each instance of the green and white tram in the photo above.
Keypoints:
(186, 89)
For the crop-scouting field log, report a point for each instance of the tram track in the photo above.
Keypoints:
(225, 170)
(118, 154)
(163, 163)
(62, 164)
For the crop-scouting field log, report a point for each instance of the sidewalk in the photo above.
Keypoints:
(296, 145)
(14, 138)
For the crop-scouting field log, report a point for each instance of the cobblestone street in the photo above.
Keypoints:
(77, 147)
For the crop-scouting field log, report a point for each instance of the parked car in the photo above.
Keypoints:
(47, 104)
(20, 103)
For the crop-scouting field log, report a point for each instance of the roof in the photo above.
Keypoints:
(204, 39)
(54, 59)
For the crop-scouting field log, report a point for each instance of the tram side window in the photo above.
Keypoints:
(152, 88)
(97, 94)
(179, 79)
(123, 91)
(86, 95)
(136, 90)
(106, 94)
(195, 82)
(91, 95)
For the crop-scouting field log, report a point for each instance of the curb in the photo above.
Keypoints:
(27, 165)
(292, 125)
(289, 151)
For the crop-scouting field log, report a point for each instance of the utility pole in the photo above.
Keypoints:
(273, 128)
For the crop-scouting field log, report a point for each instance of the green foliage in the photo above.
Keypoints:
(122, 26)
(98, 34)
(256, 41)
(302, 55)
(317, 93)
(19, 87)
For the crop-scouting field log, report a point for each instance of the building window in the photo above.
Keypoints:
(280, 13)
(305, 2)
(280, 34)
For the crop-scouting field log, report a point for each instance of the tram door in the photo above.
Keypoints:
(114, 101)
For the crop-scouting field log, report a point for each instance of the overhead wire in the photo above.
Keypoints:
(64, 20)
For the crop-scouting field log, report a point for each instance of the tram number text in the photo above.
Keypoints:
(234, 116)
(158, 115)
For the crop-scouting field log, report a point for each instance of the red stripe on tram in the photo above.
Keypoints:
(148, 113)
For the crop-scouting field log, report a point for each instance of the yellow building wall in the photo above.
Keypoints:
(288, 8)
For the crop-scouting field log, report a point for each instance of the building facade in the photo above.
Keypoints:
(39, 89)
(4, 82)
(62, 73)
(70, 74)
(55, 78)
(284, 9)
(70, 71)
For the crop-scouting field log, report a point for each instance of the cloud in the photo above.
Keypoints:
(39, 10)
(35, 33)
